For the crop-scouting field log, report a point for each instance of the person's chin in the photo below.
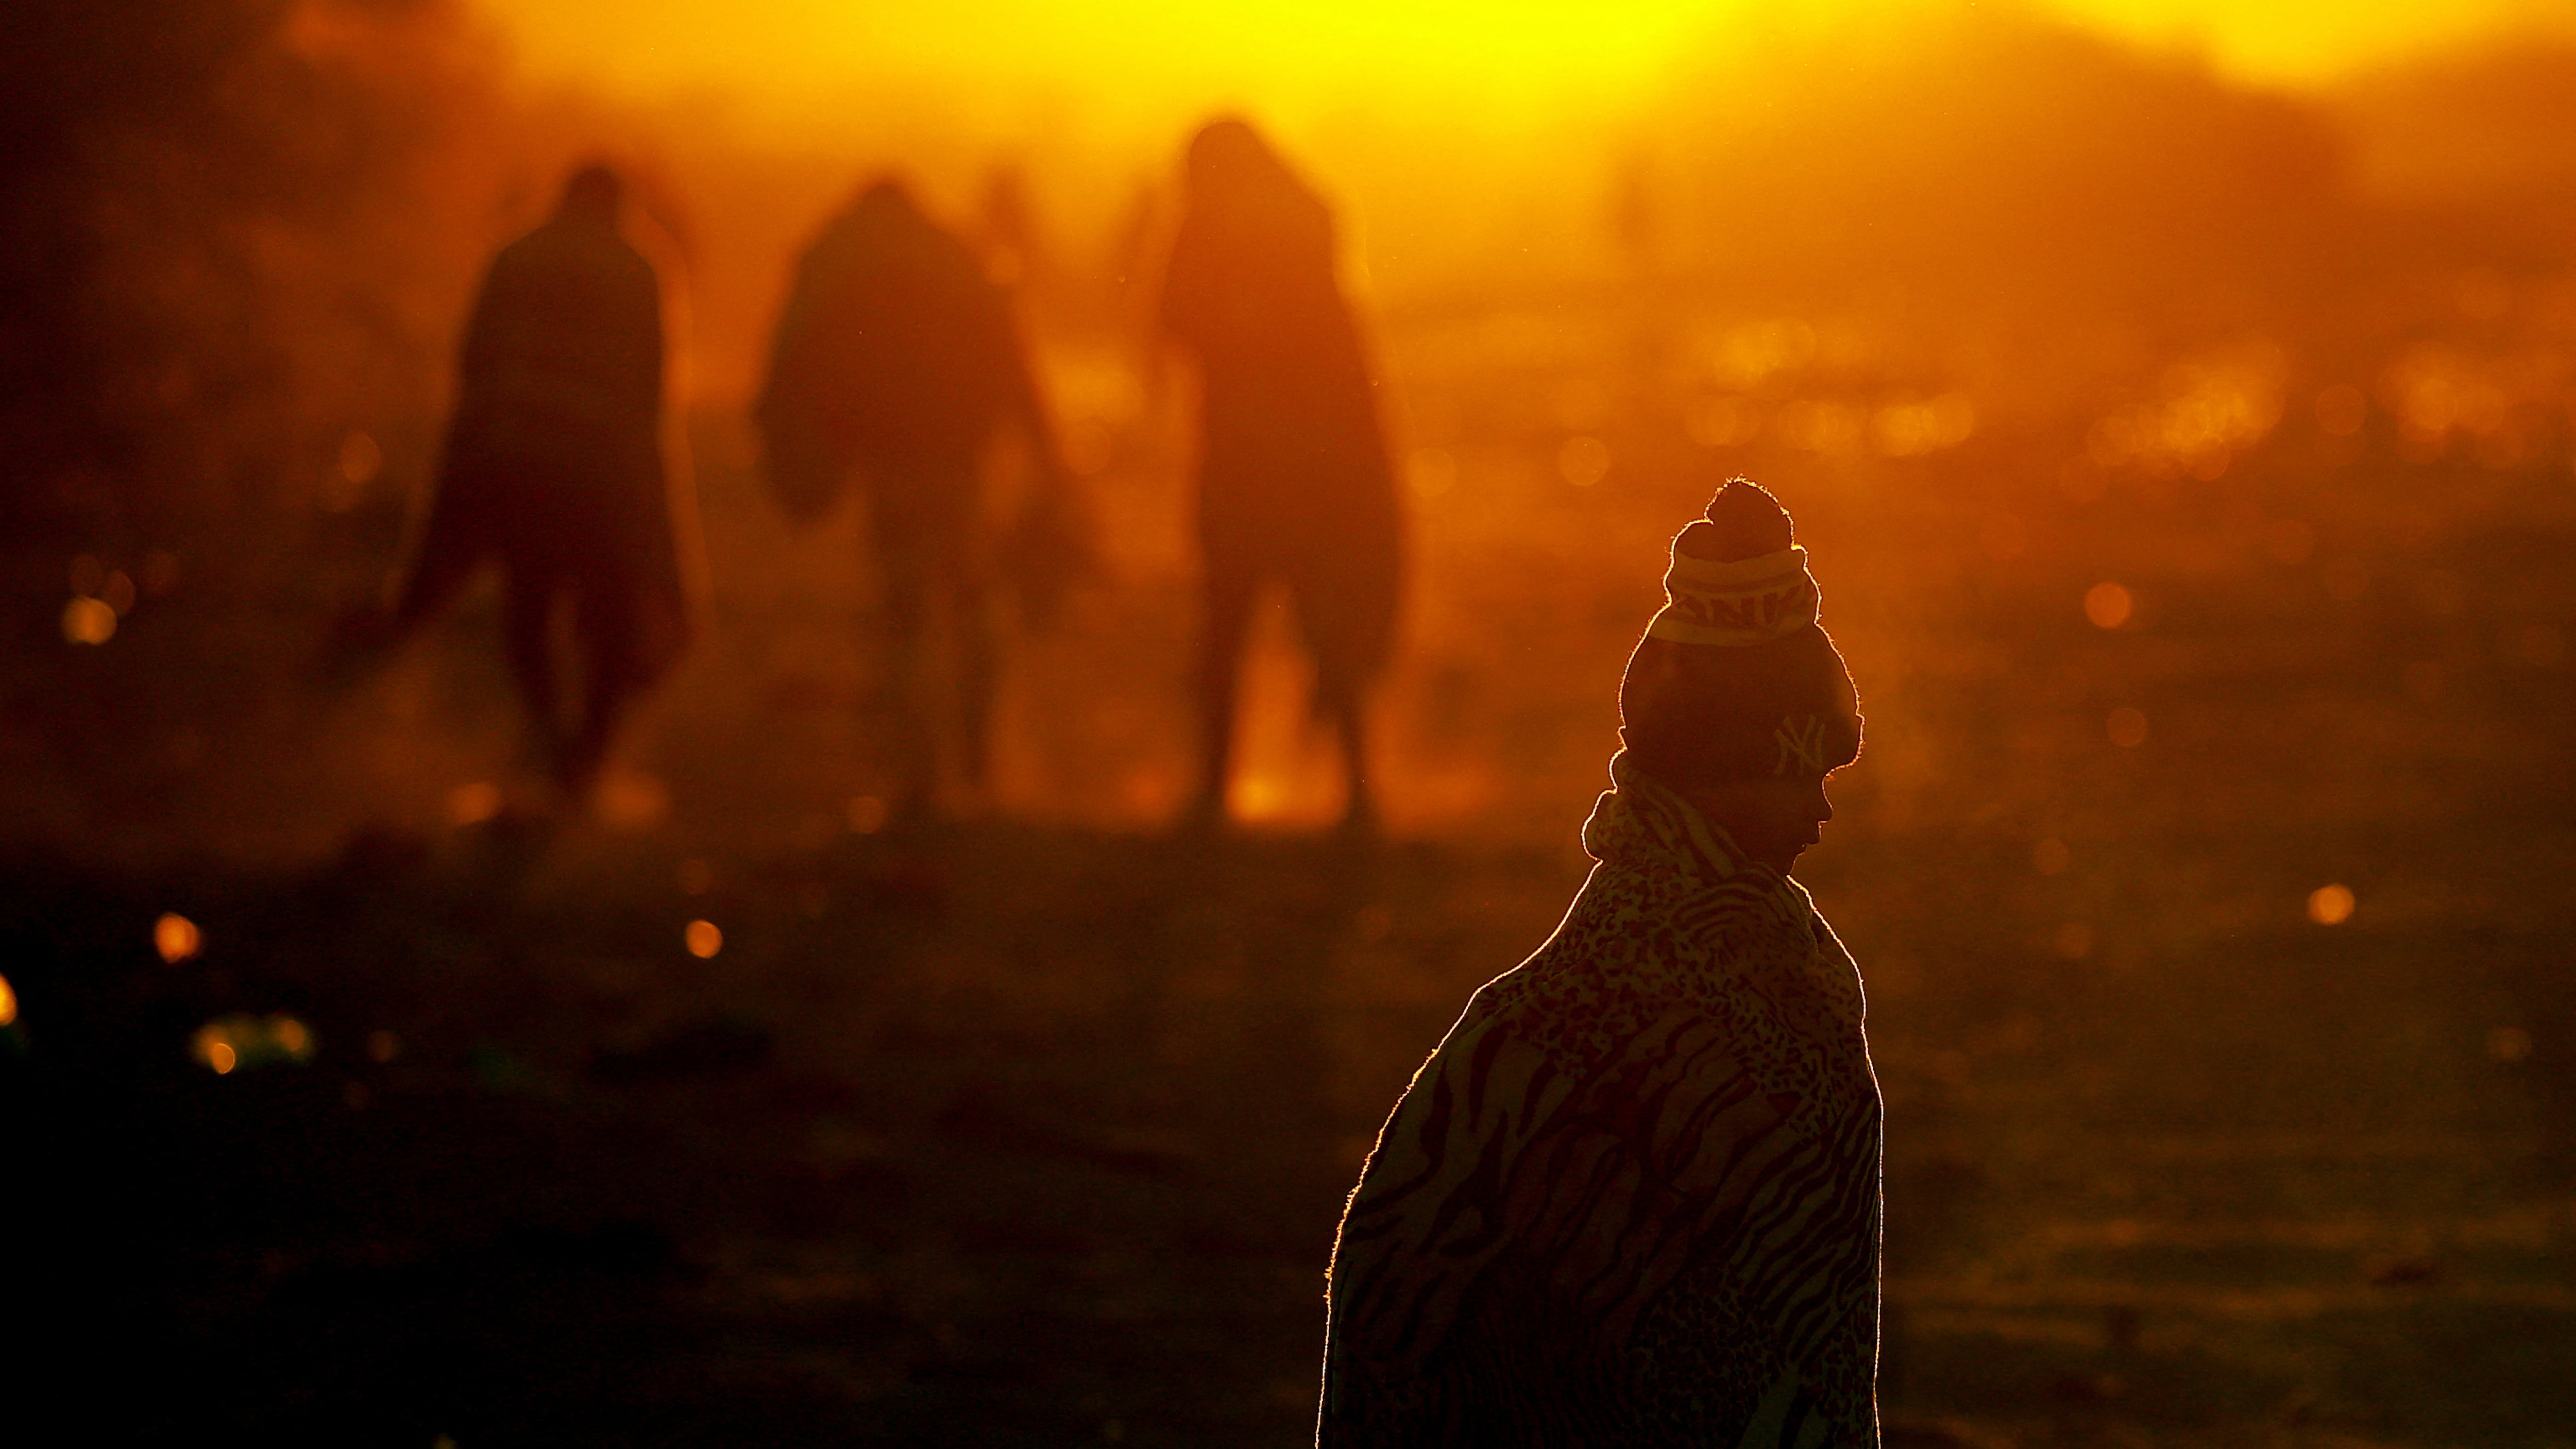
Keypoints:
(1785, 859)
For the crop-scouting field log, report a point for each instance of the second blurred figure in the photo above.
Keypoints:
(897, 362)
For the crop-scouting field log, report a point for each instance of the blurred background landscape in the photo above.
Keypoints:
(2180, 405)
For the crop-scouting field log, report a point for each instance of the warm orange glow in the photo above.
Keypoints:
(1432, 474)
(2050, 857)
(176, 938)
(703, 939)
(473, 804)
(8, 1002)
(292, 1037)
(1509, 57)
(867, 814)
(696, 877)
(2299, 41)
(2127, 727)
(2108, 605)
(241, 1040)
(2330, 905)
(631, 800)
(88, 621)
(1583, 461)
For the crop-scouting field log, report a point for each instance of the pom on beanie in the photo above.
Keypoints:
(1742, 521)
(1735, 677)
(1737, 576)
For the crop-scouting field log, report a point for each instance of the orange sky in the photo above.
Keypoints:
(1510, 59)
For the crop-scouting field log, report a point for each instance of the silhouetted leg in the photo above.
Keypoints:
(1348, 707)
(908, 584)
(978, 664)
(527, 624)
(1230, 594)
(611, 654)
(450, 552)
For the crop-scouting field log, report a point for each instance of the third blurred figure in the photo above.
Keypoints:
(897, 359)
(1294, 480)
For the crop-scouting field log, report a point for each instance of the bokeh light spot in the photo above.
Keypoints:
(1723, 422)
(176, 938)
(703, 939)
(474, 803)
(2330, 905)
(88, 621)
(2108, 605)
(2127, 727)
(1583, 461)
(221, 1056)
(8, 1002)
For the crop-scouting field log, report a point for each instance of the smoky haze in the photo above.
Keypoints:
(248, 242)
(2186, 467)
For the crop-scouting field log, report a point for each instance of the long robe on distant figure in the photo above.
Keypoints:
(1295, 483)
(553, 464)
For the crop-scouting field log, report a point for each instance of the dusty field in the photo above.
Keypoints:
(1035, 1129)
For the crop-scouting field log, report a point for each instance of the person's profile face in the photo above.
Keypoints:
(1772, 818)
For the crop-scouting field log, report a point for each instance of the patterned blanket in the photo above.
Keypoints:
(1633, 1198)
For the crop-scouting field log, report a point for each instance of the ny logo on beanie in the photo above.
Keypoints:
(1801, 738)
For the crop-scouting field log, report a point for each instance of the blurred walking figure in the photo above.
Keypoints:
(553, 468)
(898, 361)
(1295, 486)
(1633, 1197)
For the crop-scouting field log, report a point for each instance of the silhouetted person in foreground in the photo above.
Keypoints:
(1633, 1198)
(554, 469)
(898, 361)
(1294, 481)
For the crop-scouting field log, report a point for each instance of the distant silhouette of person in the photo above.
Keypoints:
(897, 361)
(553, 468)
(1295, 485)
(1633, 1198)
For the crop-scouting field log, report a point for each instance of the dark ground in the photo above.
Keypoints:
(1024, 1132)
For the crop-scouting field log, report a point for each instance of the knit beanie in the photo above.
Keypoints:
(1734, 676)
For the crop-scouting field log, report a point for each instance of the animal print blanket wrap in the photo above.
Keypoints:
(1633, 1199)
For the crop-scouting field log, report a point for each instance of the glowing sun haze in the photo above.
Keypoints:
(1498, 56)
